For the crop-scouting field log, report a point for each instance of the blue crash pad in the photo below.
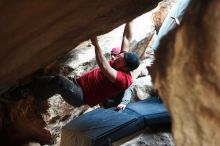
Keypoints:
(104, 126)
(152, 110)
(101, 127)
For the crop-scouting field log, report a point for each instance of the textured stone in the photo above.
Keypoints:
(186, 73)
(34, 33)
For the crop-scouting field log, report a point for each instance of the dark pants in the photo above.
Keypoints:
(46, 86)
(114, 101)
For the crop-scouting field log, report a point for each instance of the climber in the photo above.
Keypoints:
(107, 80)
(113, 101)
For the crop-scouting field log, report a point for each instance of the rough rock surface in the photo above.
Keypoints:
(39, 32)
(22, 116)
(151, 137)
(186, 73)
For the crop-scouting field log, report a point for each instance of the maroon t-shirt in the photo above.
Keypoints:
(96, 86)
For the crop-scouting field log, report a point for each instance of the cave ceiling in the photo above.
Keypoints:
(34, 33)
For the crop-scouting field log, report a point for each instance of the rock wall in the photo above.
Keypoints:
(186, 73)
(34, 33)
(186, 70)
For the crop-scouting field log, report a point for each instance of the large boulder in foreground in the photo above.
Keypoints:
(187, 75)
(34, 33)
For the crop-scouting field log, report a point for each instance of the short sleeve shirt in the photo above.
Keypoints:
(96, 86)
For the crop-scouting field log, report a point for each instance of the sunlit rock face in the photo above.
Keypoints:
(161, 12)
(186, 72)
(35, 33)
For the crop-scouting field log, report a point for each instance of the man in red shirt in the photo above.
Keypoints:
(107, 80)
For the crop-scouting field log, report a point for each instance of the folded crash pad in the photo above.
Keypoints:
(151, 109)
(102, 127)
(99, 127)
